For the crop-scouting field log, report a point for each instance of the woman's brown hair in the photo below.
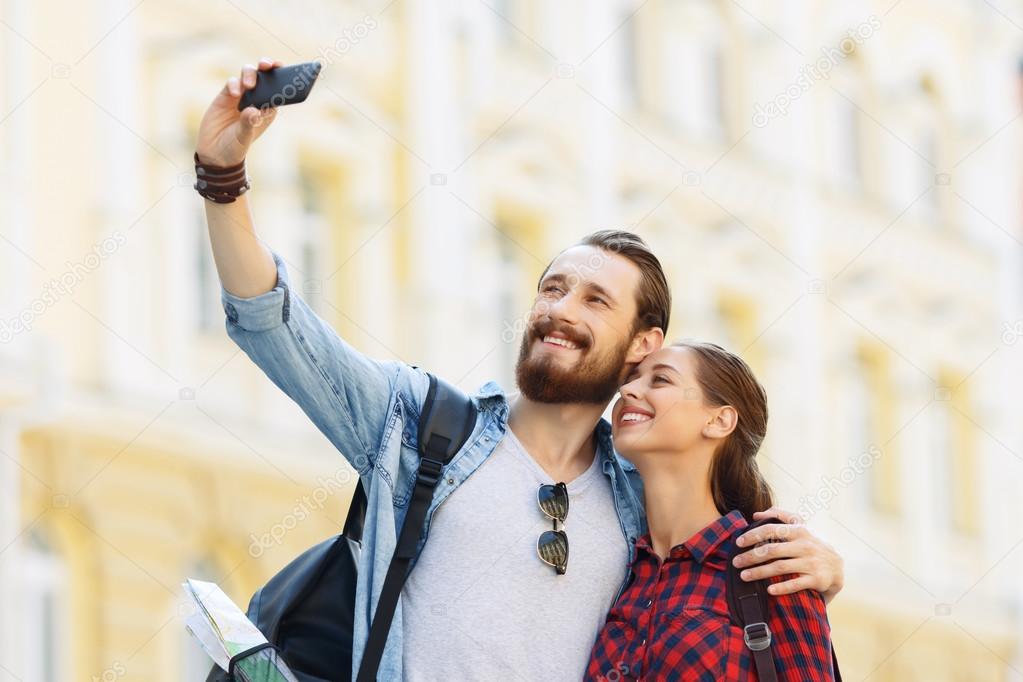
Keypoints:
(726, 379)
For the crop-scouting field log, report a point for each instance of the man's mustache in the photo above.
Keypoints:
(546, 327)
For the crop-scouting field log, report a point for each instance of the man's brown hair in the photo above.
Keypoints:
(653, 300)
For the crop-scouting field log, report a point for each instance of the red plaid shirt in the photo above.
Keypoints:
(671, 621)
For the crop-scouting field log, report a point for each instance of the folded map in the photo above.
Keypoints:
(224, 632)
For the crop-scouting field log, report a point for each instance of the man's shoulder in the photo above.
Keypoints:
(489, 396)
(489, 391)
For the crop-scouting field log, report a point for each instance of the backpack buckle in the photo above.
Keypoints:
(429, 471)
(757, 636)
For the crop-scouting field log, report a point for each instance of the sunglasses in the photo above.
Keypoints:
(552, 545)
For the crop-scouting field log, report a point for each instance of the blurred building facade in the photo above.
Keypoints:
(832, 187)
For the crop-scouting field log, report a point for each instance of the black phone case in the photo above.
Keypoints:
(282, 85)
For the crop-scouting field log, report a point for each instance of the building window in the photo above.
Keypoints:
(45, 618)
(714, 87)
(520, 237)
(509, 302)
(737, 324)
(313, 237)
(955, 463)
(629, 60)
(872, 402)
(504, 20)
(694, 88)
(928, 170)
(209, 313)
(848, 143)
(861, 431)
(925, 117)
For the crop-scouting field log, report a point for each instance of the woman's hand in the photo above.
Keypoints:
(796, 550)
(225, 133)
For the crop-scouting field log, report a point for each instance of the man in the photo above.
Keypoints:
(481, 603)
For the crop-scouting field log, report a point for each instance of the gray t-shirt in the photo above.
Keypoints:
(481, 605)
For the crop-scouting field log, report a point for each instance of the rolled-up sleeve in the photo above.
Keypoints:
(263, 312)
(345, 393)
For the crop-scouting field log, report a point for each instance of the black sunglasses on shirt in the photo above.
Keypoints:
(552, 545)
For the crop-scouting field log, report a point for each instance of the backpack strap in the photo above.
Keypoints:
(356, 514)
(445, 423)
(748, 605)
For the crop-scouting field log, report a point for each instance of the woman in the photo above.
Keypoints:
(691, 417)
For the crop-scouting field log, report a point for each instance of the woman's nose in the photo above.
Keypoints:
(631, 390)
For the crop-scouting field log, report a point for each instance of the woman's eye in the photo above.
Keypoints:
(598, 299)
(552, 288)
(660, 377)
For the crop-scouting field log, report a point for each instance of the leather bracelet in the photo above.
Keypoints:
(220, 184)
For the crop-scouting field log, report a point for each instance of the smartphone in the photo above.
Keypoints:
(281, 85)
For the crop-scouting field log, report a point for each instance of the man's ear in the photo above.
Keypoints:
(645, 343)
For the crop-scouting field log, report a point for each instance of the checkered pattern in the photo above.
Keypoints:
(671, 622)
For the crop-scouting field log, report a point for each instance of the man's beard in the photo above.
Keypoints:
(593, 380)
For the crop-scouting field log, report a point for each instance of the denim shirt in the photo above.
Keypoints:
(369, 409)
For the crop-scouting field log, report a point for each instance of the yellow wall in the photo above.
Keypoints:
(145, 515)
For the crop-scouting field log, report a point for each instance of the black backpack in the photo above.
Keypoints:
(748, 604)
(306, 610)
